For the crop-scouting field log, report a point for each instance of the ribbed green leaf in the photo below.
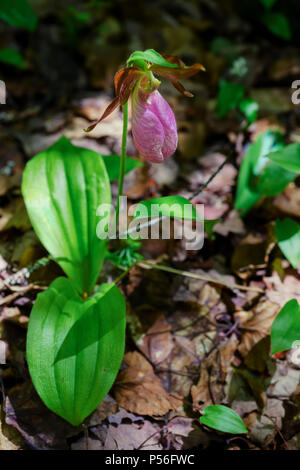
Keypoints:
(75, 347)
(62, 188)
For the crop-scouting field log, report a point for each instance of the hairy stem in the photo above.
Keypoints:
(123, 158)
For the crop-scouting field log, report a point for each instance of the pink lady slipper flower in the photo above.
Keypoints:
(153, 122)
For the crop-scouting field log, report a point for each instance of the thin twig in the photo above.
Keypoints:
(11, 297)
(124, 273)
(204, 185)
(179, 272)
(154, 434)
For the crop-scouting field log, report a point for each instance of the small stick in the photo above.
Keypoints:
(142, 264)
(204, 185)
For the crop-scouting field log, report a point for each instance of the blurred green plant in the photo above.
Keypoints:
(231, 94)
(276, 22)
(127, 255)
(286, 327)
(231, 97)
(74, 20)
(267, 168)
(288, 237)
(18, 13)
(12, 57)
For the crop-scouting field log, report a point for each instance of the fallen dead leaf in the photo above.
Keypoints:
(137, 389)
(87, 444)
(289, 200)
(41, 428)
(281, 291)
(157, 343)
(10, 438)
(232, 224)
(107, 408)
(256, 324)
(263, 427)
(132, 436)
(249, 255)
(213, 374)
(284, 382)
(179, 370)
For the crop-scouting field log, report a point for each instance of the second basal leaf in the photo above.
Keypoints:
(63, 186)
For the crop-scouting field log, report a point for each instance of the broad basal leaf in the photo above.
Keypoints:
(286, 327)
(75, 347)
(62, 188)
(224, 419)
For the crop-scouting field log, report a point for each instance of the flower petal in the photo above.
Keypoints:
(165, 114)
(110, 108)
(148, 134)
(176, 84)
(182, 71)
(153, 126)
(125, 80)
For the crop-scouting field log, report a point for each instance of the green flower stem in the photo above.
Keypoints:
(123, 158)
